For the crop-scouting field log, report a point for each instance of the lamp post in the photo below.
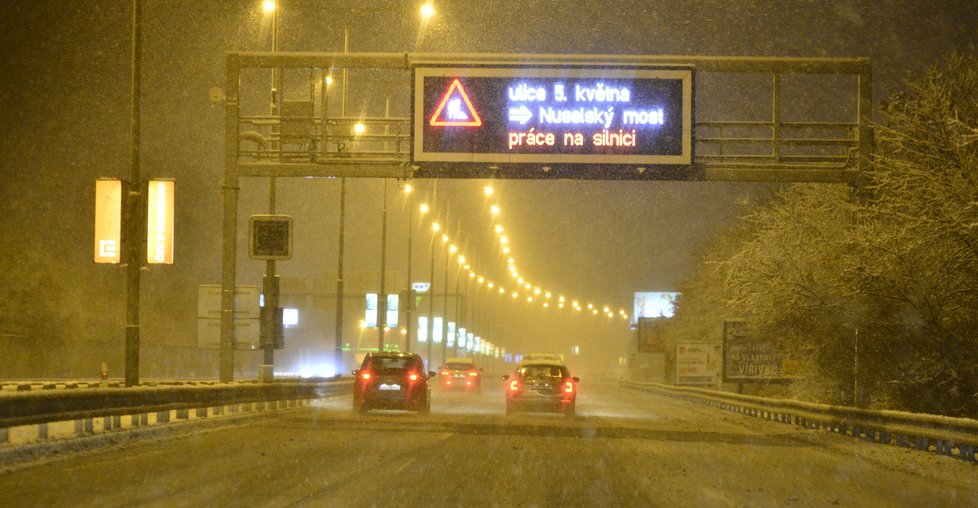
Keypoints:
(431, 300)
(382, 304)
(270, 281)
(409, 304)
(452, 249)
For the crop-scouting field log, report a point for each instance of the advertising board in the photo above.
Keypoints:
(747, 359)
(697, 363)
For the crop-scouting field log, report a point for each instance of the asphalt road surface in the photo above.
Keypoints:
(625, 448)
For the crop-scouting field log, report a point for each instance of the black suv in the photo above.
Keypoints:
(390, 380)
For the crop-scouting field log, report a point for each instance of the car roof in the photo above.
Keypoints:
(460, 360)
(543, 357)
(392, 354)
(547, 363)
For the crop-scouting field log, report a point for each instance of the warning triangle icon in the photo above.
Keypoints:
(455, 109)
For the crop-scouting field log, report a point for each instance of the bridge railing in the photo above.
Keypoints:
(955, 437)
(113, 408)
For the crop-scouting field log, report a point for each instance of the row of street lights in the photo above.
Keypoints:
(427, 11)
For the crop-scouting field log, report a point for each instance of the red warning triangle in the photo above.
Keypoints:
(455, 109)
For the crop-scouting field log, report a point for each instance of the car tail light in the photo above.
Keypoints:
(445, 373)
(514, 386)
(568, 386)
(473, 373)
(413, 377)
(365, 376)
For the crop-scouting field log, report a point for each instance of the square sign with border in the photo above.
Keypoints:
(562, 117)
(270, 237)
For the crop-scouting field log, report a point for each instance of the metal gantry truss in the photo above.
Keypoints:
(300, 137)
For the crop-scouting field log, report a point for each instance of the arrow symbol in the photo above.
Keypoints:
(521, 114)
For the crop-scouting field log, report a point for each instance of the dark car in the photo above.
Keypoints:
(390, 380)
(541, 386)
(460, 374)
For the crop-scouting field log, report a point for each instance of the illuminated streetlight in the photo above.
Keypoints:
(495, 209)
(268, 6)
(329, 80)
(423, 208)
(427, 11)
(499, 229)
(487, 190)
(435, 227)
(359, 128)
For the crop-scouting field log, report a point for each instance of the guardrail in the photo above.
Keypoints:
(138, 404)
(954, 437)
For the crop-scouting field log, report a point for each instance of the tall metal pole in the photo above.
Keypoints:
(444, 321)
(382, 298)
(431, 302)
(431, 280)
(135, 232)
(270, 284)
(338, 353)
(409, 304)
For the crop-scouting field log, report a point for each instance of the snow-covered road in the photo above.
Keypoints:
(625, 449)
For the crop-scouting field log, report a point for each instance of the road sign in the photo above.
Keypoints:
(270, 237)
(559, 116)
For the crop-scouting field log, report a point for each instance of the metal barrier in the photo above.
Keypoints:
(954, 437)
(138, 404)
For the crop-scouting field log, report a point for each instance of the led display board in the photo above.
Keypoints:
(565, 117)
(654, 304)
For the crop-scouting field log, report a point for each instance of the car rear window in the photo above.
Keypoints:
(459, 366)
(553, 371)
(387, 364)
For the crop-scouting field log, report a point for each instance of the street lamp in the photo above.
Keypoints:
(452, 249)
(270, 283)
(427, 11)
(431, 280)
(408, 188)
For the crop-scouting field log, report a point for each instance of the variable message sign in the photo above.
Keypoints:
(552, 116)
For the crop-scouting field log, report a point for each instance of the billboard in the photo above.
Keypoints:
(654, 304)
(697, 363)
(747, 359)
(585, 117)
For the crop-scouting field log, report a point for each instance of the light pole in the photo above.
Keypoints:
(382, 303)
(409, 304)
(270, 280)
(452, 249)
(431, 300)
(134, 230)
